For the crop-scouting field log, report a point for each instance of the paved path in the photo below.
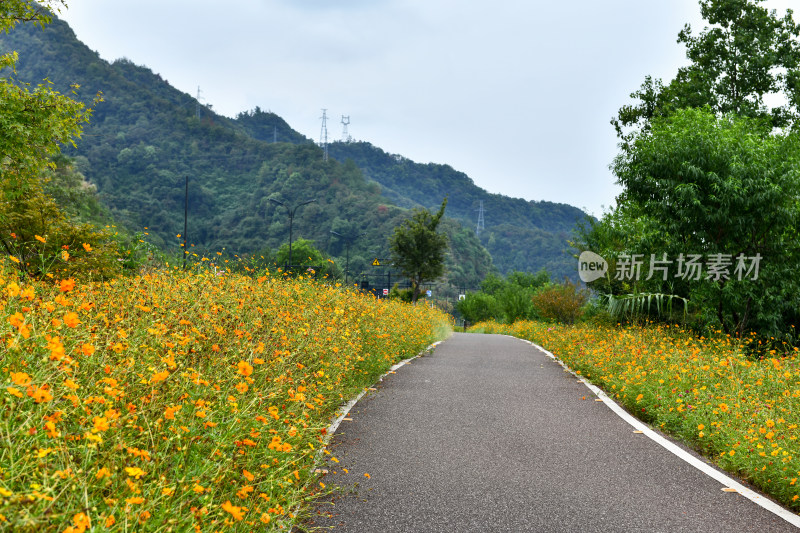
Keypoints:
(487, 434)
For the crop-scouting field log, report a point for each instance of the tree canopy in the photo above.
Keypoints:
(743, 62)
(418, 250)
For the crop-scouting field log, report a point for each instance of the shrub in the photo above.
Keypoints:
(561, 303)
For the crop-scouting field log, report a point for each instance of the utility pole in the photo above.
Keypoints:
(345, 123)
(291, 210)
(347, 241)
(480, 220)
(185, 220)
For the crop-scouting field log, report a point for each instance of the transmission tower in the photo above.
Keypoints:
(323, 135)
(197, 107)
(345, 122)
(480, 220)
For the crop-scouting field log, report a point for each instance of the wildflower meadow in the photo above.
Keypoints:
(178, 401)
(739, 410)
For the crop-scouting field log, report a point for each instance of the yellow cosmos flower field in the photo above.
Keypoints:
(181, 402)
(741, 411)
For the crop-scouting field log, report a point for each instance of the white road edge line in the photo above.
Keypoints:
(707, 469)
(345, 409)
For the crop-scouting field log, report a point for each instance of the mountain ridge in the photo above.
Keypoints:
(145, 138)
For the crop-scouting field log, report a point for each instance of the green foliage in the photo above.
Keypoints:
(35, 230)
(418, 250)
(478, 307)
(42, 241)
(747, 53)
(504, 299)
(699, 184)
(561, 302)
(723, 186)
(305, 256)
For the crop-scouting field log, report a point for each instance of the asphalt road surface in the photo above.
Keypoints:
(487, 434)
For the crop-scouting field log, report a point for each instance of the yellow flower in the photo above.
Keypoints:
(14, 392)
(100, 424)
(40, 238)
(103, 472)
(135, 472)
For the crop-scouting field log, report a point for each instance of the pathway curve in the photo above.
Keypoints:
(487, 434)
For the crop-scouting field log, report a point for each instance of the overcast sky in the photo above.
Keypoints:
(517, 94)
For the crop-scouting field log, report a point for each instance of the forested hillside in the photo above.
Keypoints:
(145, 138)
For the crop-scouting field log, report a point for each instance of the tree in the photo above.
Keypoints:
(305, 255)
(33, 126)
(418, 250)
(722, 185)
(746, 54)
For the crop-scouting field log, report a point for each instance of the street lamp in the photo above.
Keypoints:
(347, 241)
(291, 211)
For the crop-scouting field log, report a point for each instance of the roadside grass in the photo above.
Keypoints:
(741, 412)
(180, 401)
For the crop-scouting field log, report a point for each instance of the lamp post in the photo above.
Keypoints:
(347, 241)
(291, 210)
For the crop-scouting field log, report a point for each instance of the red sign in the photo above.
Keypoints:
(386, 292)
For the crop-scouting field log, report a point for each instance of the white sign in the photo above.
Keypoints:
(386, 292)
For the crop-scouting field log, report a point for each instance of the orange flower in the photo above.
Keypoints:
(71, 320)
(41, 395)
(242, 387)
(20, 378)
(66, 285)
(159, 376)
(236, 512)
(17, 319)
(245, 368)
(87, 349)
(134, 500)
(87, 247)
(169, 412)
(39, 238)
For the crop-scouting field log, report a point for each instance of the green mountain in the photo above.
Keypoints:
(146, 138)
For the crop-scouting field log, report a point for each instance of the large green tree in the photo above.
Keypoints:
(743, 56)
(418, 250)
(724, 189)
